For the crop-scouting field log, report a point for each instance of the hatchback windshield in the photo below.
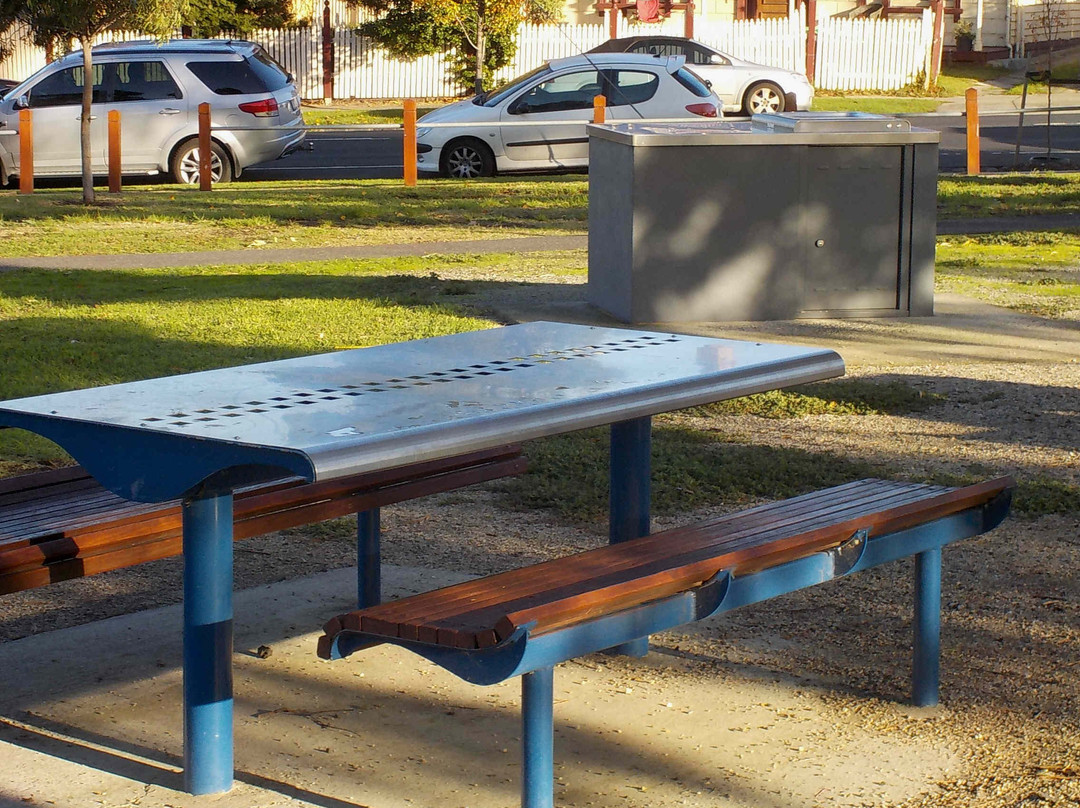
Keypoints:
(494, 97)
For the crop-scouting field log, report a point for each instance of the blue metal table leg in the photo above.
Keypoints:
(538, 739)
(208, 643)
(630, 473)
(927, 641)
(368, 559)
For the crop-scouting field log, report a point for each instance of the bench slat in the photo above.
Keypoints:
(554, 594)
(800, 513)
(696, 554)
(117, 533)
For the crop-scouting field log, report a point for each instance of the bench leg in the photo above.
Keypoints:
(629, 503)
(208, 644)
(538, 739)
(927, 641)
(368, 559)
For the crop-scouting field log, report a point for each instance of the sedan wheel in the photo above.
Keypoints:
(764, 98)
(467, 160)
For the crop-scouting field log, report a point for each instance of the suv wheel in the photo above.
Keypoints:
(185, 163)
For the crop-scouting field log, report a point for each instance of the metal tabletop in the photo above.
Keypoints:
(337, 414)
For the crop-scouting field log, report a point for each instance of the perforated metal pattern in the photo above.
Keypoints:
(307, 398)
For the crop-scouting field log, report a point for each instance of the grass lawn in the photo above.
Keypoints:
(153, 219)
(258, 215)
(74, 329)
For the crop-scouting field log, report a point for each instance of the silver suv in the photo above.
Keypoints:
(157, 88)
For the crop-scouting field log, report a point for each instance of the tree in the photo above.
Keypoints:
(481, 32)
(51, 21)
(208, 18)
(1047, 24)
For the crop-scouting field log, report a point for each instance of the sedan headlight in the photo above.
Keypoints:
(423, 131)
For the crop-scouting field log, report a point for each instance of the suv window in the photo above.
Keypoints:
(629, 86)
(65, 87)
(230, 78)
(142, 81)
(272, 74)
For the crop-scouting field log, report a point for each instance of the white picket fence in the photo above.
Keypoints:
(851, 54)
(873, 54)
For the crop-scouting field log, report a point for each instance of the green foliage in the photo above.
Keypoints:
(471, 30)
(208, 18)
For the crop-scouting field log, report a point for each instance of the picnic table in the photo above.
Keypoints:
(201, 436)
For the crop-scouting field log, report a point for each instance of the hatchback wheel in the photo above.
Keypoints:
(185, 163)
(465, 159)
(763, 98)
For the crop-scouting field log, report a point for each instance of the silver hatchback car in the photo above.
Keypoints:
(157, 88)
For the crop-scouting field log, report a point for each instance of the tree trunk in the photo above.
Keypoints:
(481, 42)
(84, 122)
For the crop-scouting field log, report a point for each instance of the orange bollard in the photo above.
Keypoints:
(971, 98)
(26, 151)
(410, 142)
(114, 151)
(599, 109)
(206, 152)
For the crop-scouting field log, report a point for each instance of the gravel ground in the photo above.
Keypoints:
(1011, 622)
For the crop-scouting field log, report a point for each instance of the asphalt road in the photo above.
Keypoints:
(377, 154)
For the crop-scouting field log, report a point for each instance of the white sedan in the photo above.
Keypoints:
(745, 87)
(537, 121)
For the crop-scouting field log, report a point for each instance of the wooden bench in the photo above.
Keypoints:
(58, 525)
(525, 621)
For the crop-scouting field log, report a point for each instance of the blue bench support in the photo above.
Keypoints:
(368, 558)
(927, 643)
(630, 473)
(532, 653)
(208, 643)
(538, 738)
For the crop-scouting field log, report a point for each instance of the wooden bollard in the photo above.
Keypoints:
(206, 153)
(971, 99)
(114, 151)
(26, 151)
(599, 109)
(409, 134)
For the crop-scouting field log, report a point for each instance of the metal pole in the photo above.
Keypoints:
(368, 559)
(206, 153)
(114, 151)
(409, 136)
(927, 642)
(628, 508)
(208, 643)
(971, 106)
(1020, 124)
(26, 151)
(538, 739)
